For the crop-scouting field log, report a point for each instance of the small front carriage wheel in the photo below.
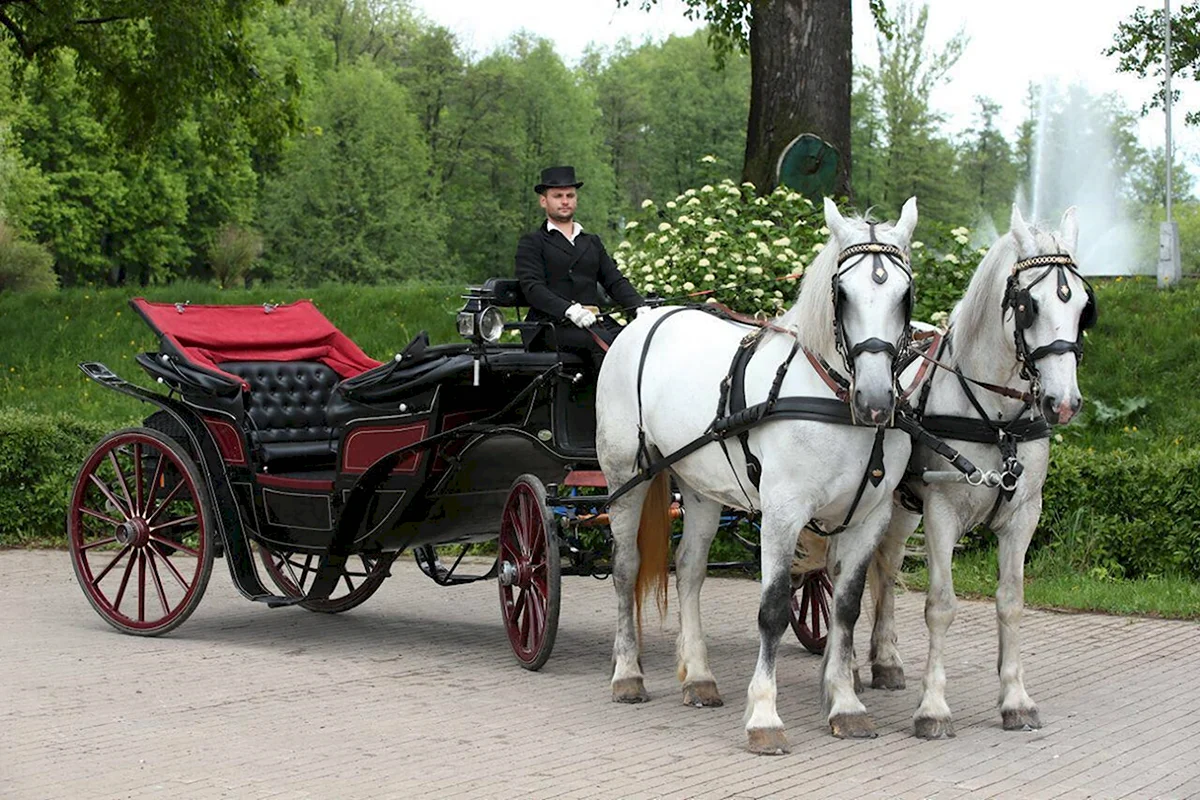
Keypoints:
(293, 573)
(529, 572)
(810, 610)
(140, 531)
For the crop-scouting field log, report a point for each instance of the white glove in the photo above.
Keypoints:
(580, 316)
(642, 310)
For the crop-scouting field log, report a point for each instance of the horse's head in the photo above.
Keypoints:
(1051, 306)
(872, 303)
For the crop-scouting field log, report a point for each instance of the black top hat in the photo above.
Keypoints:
(557, 178)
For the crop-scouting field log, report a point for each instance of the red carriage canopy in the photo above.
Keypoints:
(210, 335)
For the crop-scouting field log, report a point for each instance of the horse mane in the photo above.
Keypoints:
(811, 317)
(978, 312)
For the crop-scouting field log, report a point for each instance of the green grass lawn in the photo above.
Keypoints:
(1049, 584)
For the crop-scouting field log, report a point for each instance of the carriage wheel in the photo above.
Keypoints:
(529, 572)
(294, 573)
(810, 610)
(140, 532)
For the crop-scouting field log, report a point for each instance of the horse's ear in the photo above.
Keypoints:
(908, 220)
(1069, 228)
(1026, 245)
(837, 224)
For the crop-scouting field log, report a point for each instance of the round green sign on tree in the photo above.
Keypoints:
(809, 165)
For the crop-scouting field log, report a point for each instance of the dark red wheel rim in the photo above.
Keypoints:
(529, 574)
(138, 531)
(810, 610)
(294, 573)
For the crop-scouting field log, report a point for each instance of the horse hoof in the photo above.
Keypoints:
(629, 690)
(887, 677)
(701, 694)
(852, 726)
(931, 728)
(768, 741)
(1021, 719)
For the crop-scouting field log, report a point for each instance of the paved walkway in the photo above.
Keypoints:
(415, 694)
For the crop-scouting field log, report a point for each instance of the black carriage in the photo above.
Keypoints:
(282, 446)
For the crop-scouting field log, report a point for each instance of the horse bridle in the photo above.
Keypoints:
(878, 252)
(1024, 308)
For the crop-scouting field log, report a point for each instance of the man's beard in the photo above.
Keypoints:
(561, 217)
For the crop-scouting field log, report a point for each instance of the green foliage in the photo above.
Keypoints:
(1123, 514)
(723, 241)
(943, 261)
(1139, 46)
(24, 266)
(233, 253)
(355, 200)
(39, 457)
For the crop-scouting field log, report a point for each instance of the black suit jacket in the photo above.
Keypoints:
(554, 274)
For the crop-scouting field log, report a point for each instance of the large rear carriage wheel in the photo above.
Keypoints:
(529, 572)
(293, 573)
(140, 531)
(810, 610)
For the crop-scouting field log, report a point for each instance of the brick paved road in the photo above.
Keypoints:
(415, 694)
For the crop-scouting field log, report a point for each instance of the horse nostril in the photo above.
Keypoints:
(1050, 401)
(1076, 404)
(891, 398)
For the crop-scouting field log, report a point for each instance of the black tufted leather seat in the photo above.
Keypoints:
(286, 403)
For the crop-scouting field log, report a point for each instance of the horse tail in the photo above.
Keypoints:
(654, 545)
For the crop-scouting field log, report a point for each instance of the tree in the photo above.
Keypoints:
(1139, 46)
(801, 73)
(144, 62)
(987, 162)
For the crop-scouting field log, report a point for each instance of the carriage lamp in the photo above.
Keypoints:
(475, 322)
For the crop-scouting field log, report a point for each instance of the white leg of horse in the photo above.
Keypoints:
(691, 565)
(764, 728)
(887, 667)
(1017, 710)
(625, 514)
(933, 719)
(849, 558)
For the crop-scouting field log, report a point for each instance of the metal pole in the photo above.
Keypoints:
(1167, 68)
(1169, 270)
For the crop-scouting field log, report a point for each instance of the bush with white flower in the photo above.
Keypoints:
(723, 242)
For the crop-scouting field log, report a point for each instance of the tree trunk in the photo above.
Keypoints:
(800, 82)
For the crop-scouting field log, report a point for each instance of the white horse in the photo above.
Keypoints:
(851, 301)
(1019, 326)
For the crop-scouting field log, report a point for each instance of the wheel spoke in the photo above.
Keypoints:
(112, 498)
(138, 489)
(98, 543)
(171, 566)
(153, 486)
(96, 580)
(124, 581)
(112, 457)
(158, 586)
(97, 515)
(166, 501)
(177, 545)
(171, 523)
(141, 586)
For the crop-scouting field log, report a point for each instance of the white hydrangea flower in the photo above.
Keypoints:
(692, 201)
(633, 223)
(647, 203)
(704, 262)
(660, 262)
(917, 245)
(755, 271)
(710, 221)
(712, 251)
(823, 230)
(782, 257)
(751, 235)
(647, 269)
(664, 226)
(708, 276)
(688, 286)
(668, 288)
(818, 247)
(708, 159)
(950, 258)
(671, 204)
(961, 239)
(752, 259)
(782, 241)
(960, 231)
(731, 212)
(706, 188)
(760, 201)
(625, 245)
(759, 292)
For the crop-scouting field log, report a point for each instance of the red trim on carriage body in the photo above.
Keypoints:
(453, 446)
(229, 440)
(591, 478)
(208, 335)
(284, 482)
(365, 445)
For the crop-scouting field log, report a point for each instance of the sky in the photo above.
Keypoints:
(1012, 42)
